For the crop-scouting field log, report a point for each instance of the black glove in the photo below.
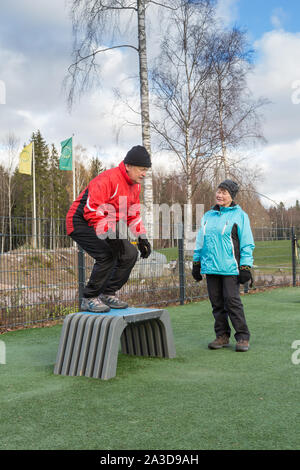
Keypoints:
(244, 274)
(196, 271)
(144, 247)
(116, 245)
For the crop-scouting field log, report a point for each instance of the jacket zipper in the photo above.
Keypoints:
(224, 228)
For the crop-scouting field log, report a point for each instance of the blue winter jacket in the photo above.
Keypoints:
(224, 241)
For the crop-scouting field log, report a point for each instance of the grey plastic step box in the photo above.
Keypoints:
(90, 342)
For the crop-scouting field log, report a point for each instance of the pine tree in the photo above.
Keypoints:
(95, 168)
(59, 179)
(22, 206)
(41, 156)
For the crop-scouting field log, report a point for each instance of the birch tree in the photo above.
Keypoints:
(11, 145)
(236, 113)
(97, 22)
(3, 203)
(205, 107)
(181, 88)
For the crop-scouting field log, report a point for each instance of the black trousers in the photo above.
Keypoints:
(109, 272)
(224, 295)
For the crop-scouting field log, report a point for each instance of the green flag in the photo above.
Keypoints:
(65, 161)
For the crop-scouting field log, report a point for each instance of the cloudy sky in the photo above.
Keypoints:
(35, 52)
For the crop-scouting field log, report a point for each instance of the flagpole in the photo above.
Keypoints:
(34, 197)
(74, 178)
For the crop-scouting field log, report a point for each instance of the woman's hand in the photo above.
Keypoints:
(196, 271)
(244, 274)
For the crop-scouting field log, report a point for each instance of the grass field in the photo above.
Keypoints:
(268, 255)
(200, 400)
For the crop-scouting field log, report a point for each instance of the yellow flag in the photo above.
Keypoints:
(25, 160)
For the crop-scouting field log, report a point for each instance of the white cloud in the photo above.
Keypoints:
(276, 21)
(279, 63)
(227, 11)
(276, 77)
(53, 11)
(36, 67)
(280, 163)
(278, 17)
(35, 99)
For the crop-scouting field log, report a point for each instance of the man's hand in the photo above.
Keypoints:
(244, 274)
(144, 247)
(196, 271)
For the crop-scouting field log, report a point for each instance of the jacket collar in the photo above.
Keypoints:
(125, 174)
(222, 209)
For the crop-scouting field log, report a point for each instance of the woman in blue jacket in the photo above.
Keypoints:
(223, 252)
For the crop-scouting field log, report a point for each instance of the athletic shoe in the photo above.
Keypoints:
(94, 304)
(112, 301)
(219, 342)
(242, 345)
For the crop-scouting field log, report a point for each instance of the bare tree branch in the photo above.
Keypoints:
(98, 51)
(169, 7)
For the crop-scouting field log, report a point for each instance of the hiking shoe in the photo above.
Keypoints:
(94, 304)
(219, 342)
(242, 345)
(112, 301)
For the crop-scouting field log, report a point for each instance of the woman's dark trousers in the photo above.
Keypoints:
(224, 295)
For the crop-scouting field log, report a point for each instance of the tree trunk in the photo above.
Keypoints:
(224, 169)
(3, 235)
(144, 93)
(9, 212)
(188, 222)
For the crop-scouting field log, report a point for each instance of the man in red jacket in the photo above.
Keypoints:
(93, 221)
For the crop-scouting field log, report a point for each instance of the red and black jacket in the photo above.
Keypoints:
(108, 198)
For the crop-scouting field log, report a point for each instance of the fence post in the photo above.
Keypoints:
(293, 240)
(81, 274)
(181, 265)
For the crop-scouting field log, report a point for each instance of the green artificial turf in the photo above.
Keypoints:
(270, 254)
(200, 400)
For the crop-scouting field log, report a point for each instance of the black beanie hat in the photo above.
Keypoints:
(231, 187)
(138, 156)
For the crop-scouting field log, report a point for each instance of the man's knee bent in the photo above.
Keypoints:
(131, 254)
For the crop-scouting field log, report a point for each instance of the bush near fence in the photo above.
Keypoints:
(45, 283)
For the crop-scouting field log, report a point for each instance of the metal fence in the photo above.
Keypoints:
(45, 283)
